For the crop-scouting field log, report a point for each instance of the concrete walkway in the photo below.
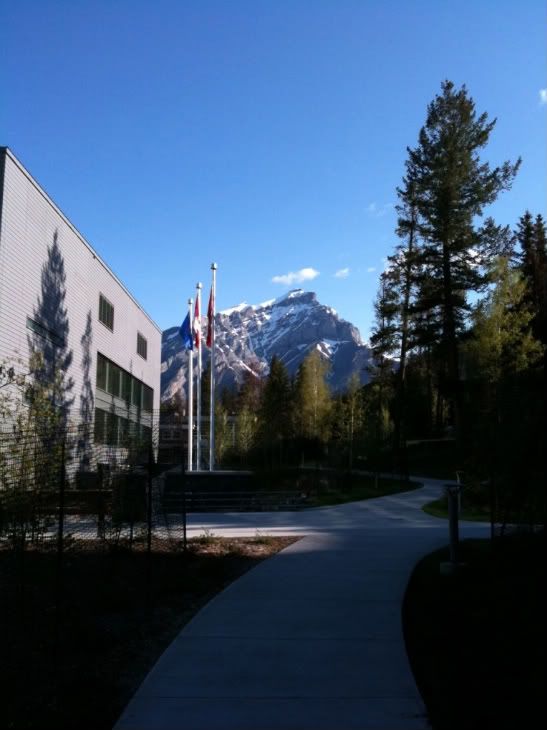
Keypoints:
(311, 639)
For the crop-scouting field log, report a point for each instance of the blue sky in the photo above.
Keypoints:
(268, 136)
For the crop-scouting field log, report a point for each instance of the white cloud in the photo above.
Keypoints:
(377, 211)
(296, 277)
(342, 273)
(371, 269)
(543, 96)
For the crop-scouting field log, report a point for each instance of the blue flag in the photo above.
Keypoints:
(186, 333)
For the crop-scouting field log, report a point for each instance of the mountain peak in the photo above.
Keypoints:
(290, 327)
(296, 296)
(292, 297)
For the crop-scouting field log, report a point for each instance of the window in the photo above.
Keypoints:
(44, 332)
(118, 382)
(102, 364)
(147, 398)
(124, 431)
(137, 393)
(127, 380)
(106, 312)
(114, 377)
(100, 430)
(112, 429)
(142, 345)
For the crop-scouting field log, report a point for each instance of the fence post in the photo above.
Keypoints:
(149, 525)
(184, 514)
(453, 495)
(149, 501)
(61, 527)
(184, 511)
(59, 612)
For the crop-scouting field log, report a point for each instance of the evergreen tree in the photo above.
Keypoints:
(504, 413)
(503, 343)
(453, 186)
(533, 264)
(384, 343)
(275, 410)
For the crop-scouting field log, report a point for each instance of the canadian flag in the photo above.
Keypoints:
(210, 319)
(197, 323)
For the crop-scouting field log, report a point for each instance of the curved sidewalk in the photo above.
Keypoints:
(311, 639)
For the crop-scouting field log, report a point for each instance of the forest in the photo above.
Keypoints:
(457, 380)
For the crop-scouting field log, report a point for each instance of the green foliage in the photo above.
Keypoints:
(347, 421)
(502, 343)
(312, 398)
(207, 537)
(452, 187)
(31, 451)
(531, 236)
(275, 413)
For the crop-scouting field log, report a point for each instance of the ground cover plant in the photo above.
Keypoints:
(78, 638)
(324, 487)
(476, 640)
(472, 513)
(356, 487)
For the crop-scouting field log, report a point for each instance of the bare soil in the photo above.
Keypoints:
(80, 635)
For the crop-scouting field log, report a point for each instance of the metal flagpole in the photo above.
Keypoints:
(198, 427)
(212, 370)
(190, 396)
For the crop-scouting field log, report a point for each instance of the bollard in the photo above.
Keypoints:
(452, 492)
(453, 496)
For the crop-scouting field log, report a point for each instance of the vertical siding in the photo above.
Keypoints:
(28, 224)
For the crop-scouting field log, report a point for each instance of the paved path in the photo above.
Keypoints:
(311, 639)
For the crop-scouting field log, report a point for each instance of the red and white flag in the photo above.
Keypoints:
(196, 325)
(210, 319)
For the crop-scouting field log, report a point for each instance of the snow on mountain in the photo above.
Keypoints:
(247, 336)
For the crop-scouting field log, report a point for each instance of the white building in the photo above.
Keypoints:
(58, 296)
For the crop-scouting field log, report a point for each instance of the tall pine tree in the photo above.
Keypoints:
(275, 411)
(453, 186)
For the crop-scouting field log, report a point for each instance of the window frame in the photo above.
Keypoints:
(134, 392)
(104, 302)
(142, 341)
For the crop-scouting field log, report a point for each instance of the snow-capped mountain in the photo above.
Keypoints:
(247, 336)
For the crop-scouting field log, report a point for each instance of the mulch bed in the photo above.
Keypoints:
(78, 637)
(476, 640)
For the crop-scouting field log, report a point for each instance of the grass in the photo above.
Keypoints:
(337, 489)
(74, 653)
(439, 508)
(476, 640)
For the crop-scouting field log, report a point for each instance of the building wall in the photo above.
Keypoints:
(29, 222)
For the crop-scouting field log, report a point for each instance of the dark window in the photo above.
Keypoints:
(137, 393)
(147, 398)
(44, 332)
(111, 429)
(118, 382)
(124, 432)
(99, 431)
(106, 312)
(142, 345)
(127, 379)
(114, 377)
(146, 435)
(102, 363)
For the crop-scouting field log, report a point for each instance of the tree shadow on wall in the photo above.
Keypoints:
(87, 400)
(49, 353)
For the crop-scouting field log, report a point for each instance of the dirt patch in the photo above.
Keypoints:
(80, 636)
